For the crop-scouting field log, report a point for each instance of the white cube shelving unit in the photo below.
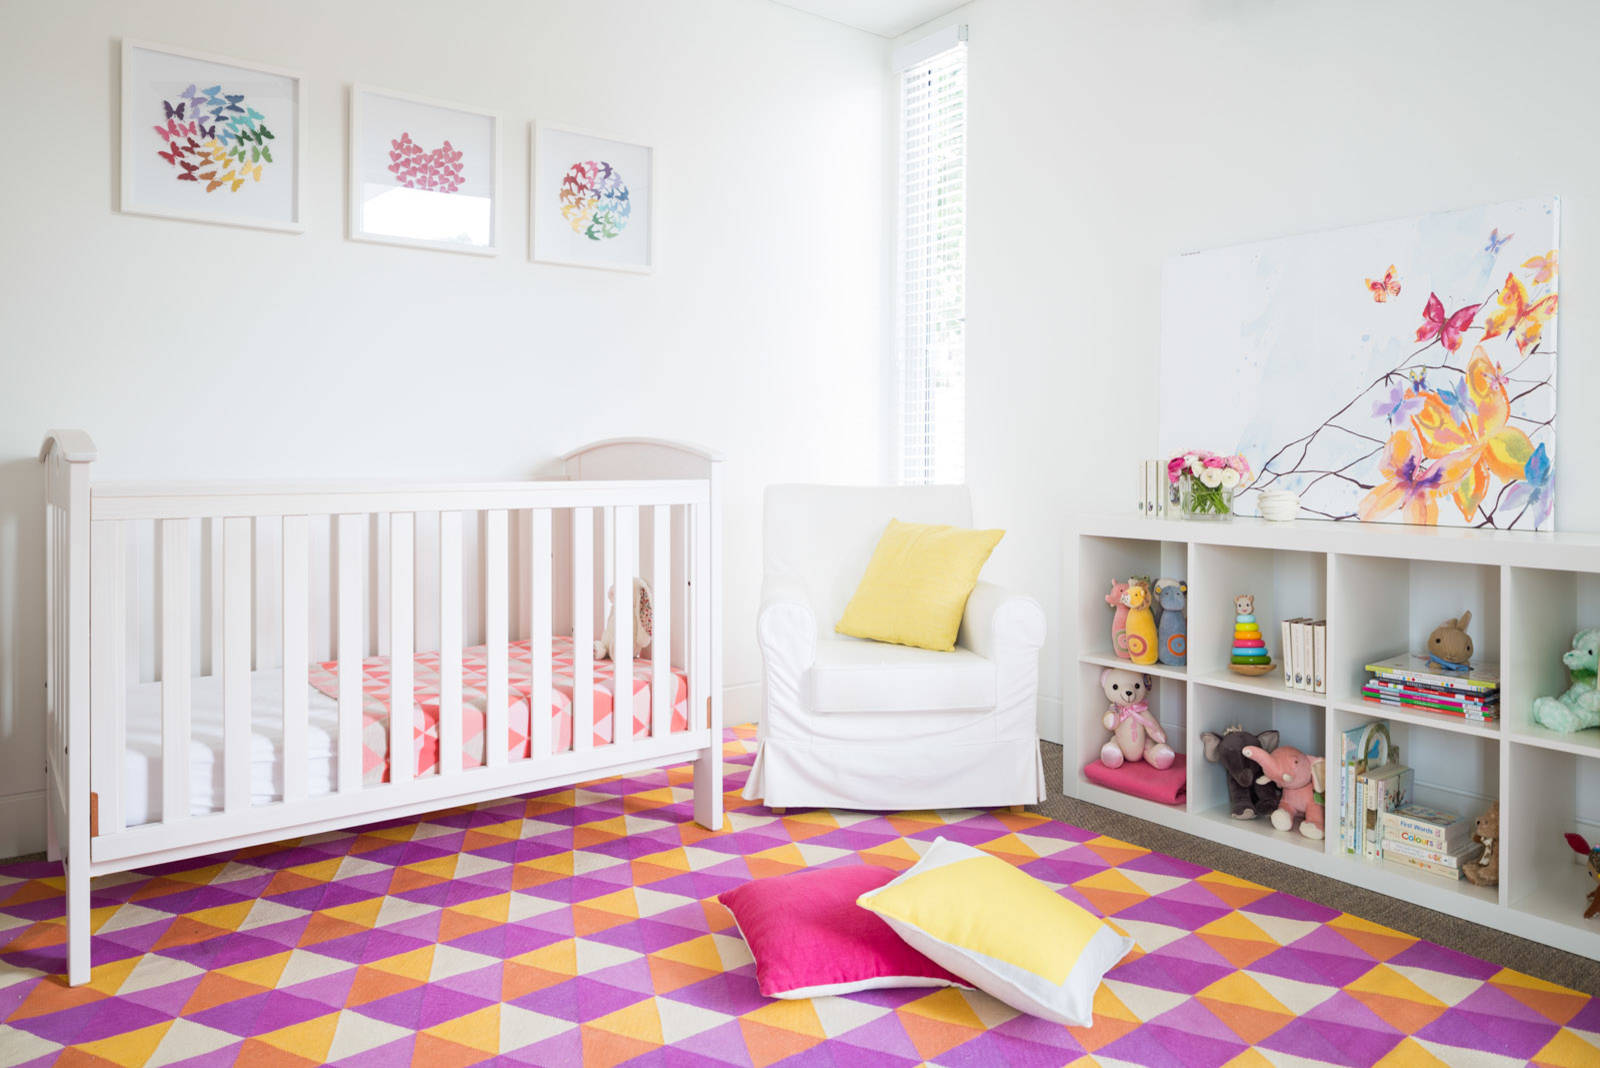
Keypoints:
(1381, 589)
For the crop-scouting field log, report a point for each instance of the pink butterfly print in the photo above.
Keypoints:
(1447, 329)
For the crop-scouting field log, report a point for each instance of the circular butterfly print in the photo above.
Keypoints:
(214, 138)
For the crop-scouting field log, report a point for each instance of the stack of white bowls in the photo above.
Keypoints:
(1280, 506)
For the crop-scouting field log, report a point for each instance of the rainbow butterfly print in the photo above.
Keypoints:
(1448, 329)
(1496, 242)
(1525, 321)
(1385, 287)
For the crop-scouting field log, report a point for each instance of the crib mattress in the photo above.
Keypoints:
(142, 759)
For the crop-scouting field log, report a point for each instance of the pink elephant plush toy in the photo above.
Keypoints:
(1301, 779)
(1136, 734)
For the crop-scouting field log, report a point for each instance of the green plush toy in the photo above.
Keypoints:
(1579, 707)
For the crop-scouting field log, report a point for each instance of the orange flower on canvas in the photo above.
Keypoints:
(1407, 484)
(1524, 320)
(1469, 451)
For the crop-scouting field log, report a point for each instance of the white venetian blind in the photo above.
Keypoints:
(931, 360)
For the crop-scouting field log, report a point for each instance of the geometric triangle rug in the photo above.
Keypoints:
(579, 926)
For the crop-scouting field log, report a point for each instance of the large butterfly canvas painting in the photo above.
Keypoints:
(1398, 372)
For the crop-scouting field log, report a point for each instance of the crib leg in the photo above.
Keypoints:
(708, 788)
(52, 840)
(77, 922)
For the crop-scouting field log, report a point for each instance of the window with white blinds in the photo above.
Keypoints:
(931, 364)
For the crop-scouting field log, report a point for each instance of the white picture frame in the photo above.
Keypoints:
(439, 199)
(555, 152)
(163, 179)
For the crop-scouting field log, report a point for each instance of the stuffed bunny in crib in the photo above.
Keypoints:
(643, 612)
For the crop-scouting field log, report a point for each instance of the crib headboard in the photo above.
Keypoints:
(633, 458)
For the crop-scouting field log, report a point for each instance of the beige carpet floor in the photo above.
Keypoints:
(1534, 958)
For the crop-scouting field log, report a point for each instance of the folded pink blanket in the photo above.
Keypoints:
(1141, 780)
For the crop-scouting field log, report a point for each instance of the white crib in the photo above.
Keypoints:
(185, 619)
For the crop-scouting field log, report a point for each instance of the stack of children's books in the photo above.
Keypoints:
(1418, 683)
(1437, 841)
(1372, 782)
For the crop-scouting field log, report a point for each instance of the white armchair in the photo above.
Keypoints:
(848, 723)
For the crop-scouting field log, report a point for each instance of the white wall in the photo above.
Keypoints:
(1105, 138)
(760, 334)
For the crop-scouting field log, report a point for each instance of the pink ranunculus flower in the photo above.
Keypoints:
(1175, 468)
(1216, 461)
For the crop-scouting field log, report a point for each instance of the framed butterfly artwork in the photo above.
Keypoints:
(591, 200)
(423, 173)
(1397, 372)
(211, 139)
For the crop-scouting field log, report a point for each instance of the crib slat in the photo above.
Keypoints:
(108, 690)
(236, 628)
(540, 594)
(700, 627)
(174, 670)
(402, 740)
(449, 643)
(351, 607)
(296, 653)
(625, 534)
(496, 588)
(663, 684)
(582, 629)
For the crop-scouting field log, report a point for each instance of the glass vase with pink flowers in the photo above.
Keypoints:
(1205, 482)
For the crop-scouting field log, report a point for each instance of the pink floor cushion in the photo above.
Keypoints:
(810, 938)
(1141, 780)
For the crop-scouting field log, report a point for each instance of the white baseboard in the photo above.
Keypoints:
(741, 703)
(1050, 719)
(22, 824)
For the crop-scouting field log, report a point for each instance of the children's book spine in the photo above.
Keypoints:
(1286, 650)
(1302, 655)
(1393, 847)
(1319, 656)
(1440, 870)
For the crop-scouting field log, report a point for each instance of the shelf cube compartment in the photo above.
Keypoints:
(1168, 703)
(1383, 606)
(1550, 793)
(1103, 561)
(1298, 724)
(1545, 610)
(1284, 583)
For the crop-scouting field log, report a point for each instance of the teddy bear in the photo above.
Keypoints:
(1485, 871)
(1579, 707)
(1136, 734)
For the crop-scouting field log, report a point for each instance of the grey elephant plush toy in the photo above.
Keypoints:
(1247, 798)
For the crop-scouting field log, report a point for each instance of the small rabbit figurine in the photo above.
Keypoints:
(1579, 845)
(1450, 646)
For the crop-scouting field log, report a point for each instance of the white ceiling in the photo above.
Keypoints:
(886, 18)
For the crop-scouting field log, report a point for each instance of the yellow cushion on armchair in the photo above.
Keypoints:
(917, 584)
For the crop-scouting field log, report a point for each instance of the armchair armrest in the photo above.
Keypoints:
(786, 626)
(997, 622)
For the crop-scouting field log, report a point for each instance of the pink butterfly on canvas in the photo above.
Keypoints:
(1435, 324)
